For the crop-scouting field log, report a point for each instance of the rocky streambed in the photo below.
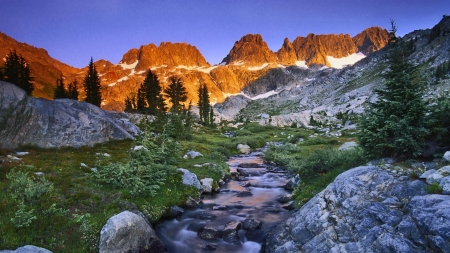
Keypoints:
(238, 218)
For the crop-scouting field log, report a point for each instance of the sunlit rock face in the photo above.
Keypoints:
(250, 50)
(248, 61)
(59, 123)
(371, 40)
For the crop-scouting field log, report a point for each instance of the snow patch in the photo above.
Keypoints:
(157, 67)
(258, 67)
(260, 96)
(197, 68)
(340, 63)
(301, 64)
(237, 63)
(112, 84)
(281, 66)
(129, 66)
(265, 95)
(122, 79)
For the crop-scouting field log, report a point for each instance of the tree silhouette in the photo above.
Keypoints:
(17, 71)
(92, 86)
(176, 93)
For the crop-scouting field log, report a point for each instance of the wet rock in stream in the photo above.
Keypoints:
(231, 232)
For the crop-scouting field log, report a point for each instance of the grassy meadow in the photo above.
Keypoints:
(64, 209)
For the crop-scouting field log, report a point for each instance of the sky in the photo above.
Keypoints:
(75, 31)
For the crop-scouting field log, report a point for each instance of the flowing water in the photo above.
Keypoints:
(266, 185)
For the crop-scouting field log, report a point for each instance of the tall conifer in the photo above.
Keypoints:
(17, 71)
(394, 125)
(176, 93)
(92, 86)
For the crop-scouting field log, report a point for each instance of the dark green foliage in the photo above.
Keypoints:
(153, 93)
(17, 71)
(206, 111)
(146, 169)
(92, 86)
(438, 121)
(394, 125)
(72, 92)
(141, 97)
(60, 91)
(313, 122)
(433, 188)
(442, 71)
(176, 93)
(318, 162)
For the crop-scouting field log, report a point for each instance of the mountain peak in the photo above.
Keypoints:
(250, 50)
(371, 39)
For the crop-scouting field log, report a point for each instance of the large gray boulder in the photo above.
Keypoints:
(190, 179)
(367, 209)
(46, 123)
(27, 249)
(128, 232)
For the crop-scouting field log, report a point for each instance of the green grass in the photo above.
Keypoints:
(83, 205)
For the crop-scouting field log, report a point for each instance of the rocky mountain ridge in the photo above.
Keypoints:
(295, 94)
(249, 59)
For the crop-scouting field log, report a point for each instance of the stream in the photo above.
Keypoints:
(249, 197)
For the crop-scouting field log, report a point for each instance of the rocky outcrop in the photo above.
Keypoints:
(370, 40)
(250, 50)
(128, 232)
(170, 55)
(27, 249)
(287, 54)
(60, 123)
(367, 209)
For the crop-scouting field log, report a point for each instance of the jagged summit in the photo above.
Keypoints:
(371, 39)
(250, 50)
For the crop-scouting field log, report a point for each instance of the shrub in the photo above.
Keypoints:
(141, 176)
(433, 188)
(328, 158)
(25, 189)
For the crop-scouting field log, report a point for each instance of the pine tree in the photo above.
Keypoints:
(176, 93)
(17, 71)
(153, 94)
(200, 103)
(141, 97)
(72, 92)
(211, 116)
(203, 104)
(129, 103)
(394, 125)
(206, 106)
(92, 86)
(60, 91)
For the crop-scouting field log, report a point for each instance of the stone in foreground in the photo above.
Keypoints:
(128, 232)
(367, 209)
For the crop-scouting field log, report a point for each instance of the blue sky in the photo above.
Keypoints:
(73, 31)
